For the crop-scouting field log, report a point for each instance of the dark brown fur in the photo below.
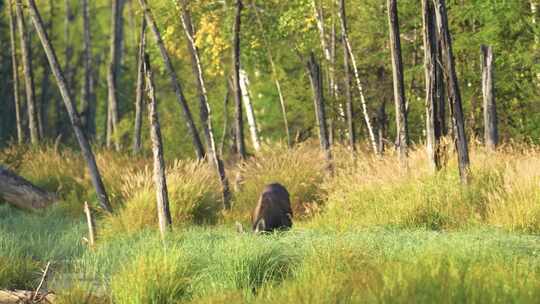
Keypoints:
(273, 210)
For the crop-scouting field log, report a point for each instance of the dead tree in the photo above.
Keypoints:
(316, 81)
(70, 107)
(137, 145)
(432, 74)
(348, 91)
(87, 99)
(453, 90)
(164, 214)
(205, 111)
(399, 85)
(112, 74)
(28, 74)
(15, 74)
(239, 122)
(491, 133)
(21, 193)
(192, 129)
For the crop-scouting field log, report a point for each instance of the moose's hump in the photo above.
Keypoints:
(276, 188)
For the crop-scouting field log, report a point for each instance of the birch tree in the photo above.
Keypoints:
(139, 91)
(112, 74)
(239, 122)
(250, 113)
(399, 85)
(70, 107)
(15, 74)
(367, 120)
(28, 74)
(205, 111)
(188, 117)
(315, 77)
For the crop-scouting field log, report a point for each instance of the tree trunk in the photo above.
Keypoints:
(315, 77)
(491, 133)
(225, 118)
(205, 111)
(399, 85)
(112, 75)
(239, 123)
(348, 92)
(87, 99)
(137, 145)
(164, 214)
(45, 83)
(68, 23)
(250, 113)
(28, 75)
(15, 75)
(431, 50)
(276, 78)
(192, 129)
(454, 93)
(70, 107)
(358, 84)
(21, 193)
(381, 126)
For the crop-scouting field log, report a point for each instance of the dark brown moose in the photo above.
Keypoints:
(273, 211)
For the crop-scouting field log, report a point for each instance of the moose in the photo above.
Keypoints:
(273, 211)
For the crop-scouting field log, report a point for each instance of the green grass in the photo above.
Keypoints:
(370, 233)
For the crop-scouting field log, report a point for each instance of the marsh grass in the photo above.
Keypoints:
(373, 232)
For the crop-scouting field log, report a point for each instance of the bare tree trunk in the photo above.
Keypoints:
(197, 144)
(45, 97)
(70, 107)
(381, 126)
(15, 75)
(358, 84)
(164, 214)
(491, 133)
(225, 117)
(250, 113)
(399, 85)
(91, 225)
(21, 193)
(239, 123)
(87, 88)
(68, 23)
(454, 93)
(432, 69)
(276, 78)
(205, 111)
(112, 75)
(348, 92)
(318, 98)
(28, 75)
(137, 145)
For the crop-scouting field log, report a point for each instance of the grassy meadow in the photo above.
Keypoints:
(372, 232)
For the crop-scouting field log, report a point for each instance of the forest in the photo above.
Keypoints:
(261, 151)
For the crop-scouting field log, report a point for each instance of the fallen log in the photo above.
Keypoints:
(21, 193)
(25, 296)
